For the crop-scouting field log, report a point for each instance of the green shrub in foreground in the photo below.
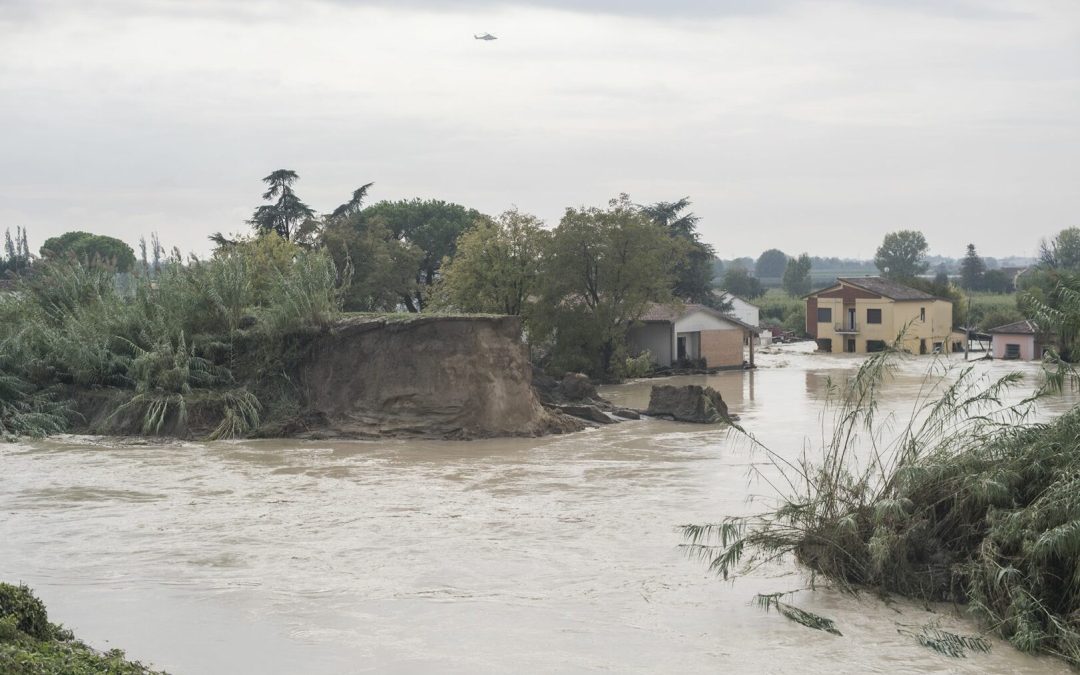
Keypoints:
(30, 645)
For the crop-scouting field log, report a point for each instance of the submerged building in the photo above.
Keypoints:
(692, 333)
(865, 314)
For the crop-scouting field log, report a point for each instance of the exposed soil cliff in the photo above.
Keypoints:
(449, 377)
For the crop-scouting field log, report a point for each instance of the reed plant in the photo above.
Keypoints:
(161, 349)
(971, 501)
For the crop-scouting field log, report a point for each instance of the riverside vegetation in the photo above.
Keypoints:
(92, 339)
(203, 345)
(973, 502)
(31, 644)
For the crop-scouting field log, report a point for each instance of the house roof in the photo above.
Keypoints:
(1019, 328)
(727, 294)
(671, 313)
(883, 287)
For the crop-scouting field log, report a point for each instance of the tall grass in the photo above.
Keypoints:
(24, 409)
(164, 346)
(971, 502)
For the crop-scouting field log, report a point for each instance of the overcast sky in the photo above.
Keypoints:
(811, 126)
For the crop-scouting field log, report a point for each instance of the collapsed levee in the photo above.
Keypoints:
(436, 376)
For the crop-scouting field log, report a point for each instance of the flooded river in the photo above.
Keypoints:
(523, 555)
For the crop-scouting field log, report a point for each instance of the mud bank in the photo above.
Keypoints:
(431, 376)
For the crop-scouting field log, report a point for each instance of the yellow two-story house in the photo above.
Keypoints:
(865, 314)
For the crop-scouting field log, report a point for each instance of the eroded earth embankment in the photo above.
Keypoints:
(438, 376)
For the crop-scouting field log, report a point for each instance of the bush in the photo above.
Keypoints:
(990, 310)
(30, 645)
(20, 604)
(638, 366)
(780, 309)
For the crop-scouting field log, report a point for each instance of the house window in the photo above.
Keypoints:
(875, 345)
(824, 315)
(1012, 351)
(873, 316)
(824, 345)
(922, 314)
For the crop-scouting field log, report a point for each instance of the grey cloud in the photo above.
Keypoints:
(970, 9)
(17, 11)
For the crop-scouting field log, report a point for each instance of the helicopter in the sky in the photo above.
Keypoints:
(485, 36)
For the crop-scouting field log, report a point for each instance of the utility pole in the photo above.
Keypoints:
(967, 329)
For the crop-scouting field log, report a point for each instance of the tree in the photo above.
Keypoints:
(998, 281)
(771, 264)
(288, 212)
(738, 281)
(797, 276)
(497, 266)
(9, 246)
(16, 257)
(601, 270)
(1063, 251)
(384, 267)
(433, 227)
(90, 249)
(693, 265)
(902, 255)
(972, 270)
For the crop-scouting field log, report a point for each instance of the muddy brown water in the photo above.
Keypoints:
(524, 555)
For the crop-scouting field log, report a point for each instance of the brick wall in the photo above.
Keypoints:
(722, 347)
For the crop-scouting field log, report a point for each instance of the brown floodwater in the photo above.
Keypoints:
(521, 555)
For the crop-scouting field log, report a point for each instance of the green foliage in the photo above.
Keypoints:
(989, 310)
(385, 268)
(638, 366)
(20, 604)
(797, 276)
(30, 645)
(944, 642)
(693, 262)
(431, 226)
(160, 355)
(780, 309)
(497, 266)
(307, 293)
(91, 250)
(771, 601)
(997, 281)
(738, 281)
(970, 503)
(16, 256)
(972, 271)
(284, 215)
(1063, 251)
(1058, 312)
(25, 410)
(771, 264)
(902, 255)
(601, 269)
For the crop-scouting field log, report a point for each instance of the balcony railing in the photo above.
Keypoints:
(847, 327)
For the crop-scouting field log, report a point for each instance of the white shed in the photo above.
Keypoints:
(742, 310)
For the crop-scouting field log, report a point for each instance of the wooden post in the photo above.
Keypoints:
(751, 341)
